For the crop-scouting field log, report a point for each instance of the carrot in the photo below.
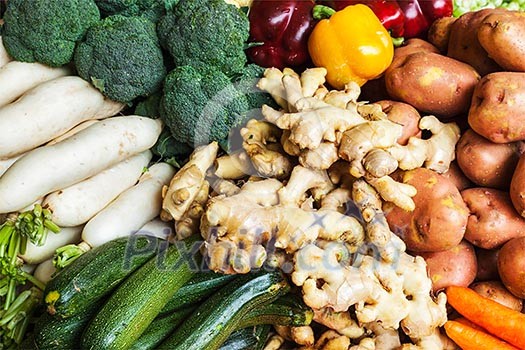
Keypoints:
(468, 323)
(468, 338)
(497, 319)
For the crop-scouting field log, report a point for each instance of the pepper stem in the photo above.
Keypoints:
(398, 41)
(322, 12)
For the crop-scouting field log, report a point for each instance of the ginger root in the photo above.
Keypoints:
(261, 143)
(187, 182)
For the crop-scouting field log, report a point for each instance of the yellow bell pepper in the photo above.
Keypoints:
(352, 45)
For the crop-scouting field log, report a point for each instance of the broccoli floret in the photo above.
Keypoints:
(150, 9)
(46, 31)
(121, 56)
(200, 104)
(246, 83)
(150, 106)
(208, 31)
(170, 150)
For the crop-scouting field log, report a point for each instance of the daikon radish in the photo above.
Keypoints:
(6, 163)
(157, 228)
(73, 131)
(131, 210)
(87, 153)
(16, 78)
(36, 254)
(44, 271)
(4, 56)
(78, 203)
(49, 110)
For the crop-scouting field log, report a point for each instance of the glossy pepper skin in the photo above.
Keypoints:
(283, 28)
(388, 12)
(352, 45)
(406, 18)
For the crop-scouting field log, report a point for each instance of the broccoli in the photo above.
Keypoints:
(246, 82)
(208, 31)
(200, 104)
(121, 56)
(46, 31)
(150, 9)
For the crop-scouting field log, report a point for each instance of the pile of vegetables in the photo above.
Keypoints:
(345, 170)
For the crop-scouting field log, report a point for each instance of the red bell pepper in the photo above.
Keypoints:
(279, 31)
(406, 18)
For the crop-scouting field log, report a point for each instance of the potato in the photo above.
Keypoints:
(457, 177)
(439, 32)
(404, 114)
(440, 218)
(464, 46)
(493, 220)
(496, 291)
(511, 266)
(517, 187)
(487, 264)
(486, 163)
(496, 111)
(456, 266)
(414, 45)
(432, 83)
(502, 35)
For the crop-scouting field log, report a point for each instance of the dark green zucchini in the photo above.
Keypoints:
(160, 328)
(217, 317)
(199, 287)
(138, 300)
(288, 310)
(96, 273)
(53, 333)
(250, 338)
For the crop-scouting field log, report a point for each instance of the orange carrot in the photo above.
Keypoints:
(471, 324)
(497, 319)
(468, 338)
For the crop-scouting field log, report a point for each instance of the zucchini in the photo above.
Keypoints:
(59, 333)
(216, 318)
(250, 338)
(139, 299)
(289, 310)
(199, 287)
(160, 328)
(95, 274)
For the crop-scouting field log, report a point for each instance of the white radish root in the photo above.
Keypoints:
(78, 203)
(157, 228)
(131, 210)
(4, 56)
(16, 78)
(36, 254)
(44, 271)
(48, 111)
(87, 153)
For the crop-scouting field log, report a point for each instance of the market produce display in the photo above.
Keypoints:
(263, 175)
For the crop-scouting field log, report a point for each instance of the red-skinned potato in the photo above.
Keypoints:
(511, 266)
(502, 35)
(405, 115)
(463, 43)
(487, 264)
(439, 219)
(517, 187)
(492, 220)
(432, 83)
(496, 291)
(439, 33)
(457, 176)
(486, 163)
(496, 111)
(453, 267)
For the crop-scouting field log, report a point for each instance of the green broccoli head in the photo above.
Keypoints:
(46, 31)
(207, 31)
(150, 9)
(200, 105)
(246, 82)
(121, 56)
